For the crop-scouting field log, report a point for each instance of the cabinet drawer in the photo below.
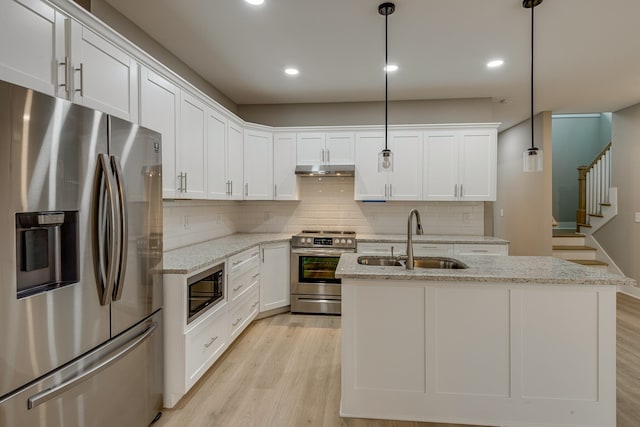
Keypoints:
(432, 249)
(244, 310)
(204, 344)
(244, 260)
(479, 249)
(382, 248)
(241, 282)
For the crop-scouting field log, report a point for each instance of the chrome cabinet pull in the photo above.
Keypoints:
(236, 289)
(65, 64)
(185, 182)
(254, 305)
(255, 276)
(461, 191)
(455, 191)
(81, 71)
(207, 345)
(238, 320)
(322, 154)
(390, 190)
(328, 156)
(246, 189)
(275, 190)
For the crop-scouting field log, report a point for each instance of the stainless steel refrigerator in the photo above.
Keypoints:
(80, 265)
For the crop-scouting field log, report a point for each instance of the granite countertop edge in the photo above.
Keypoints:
(485, 269)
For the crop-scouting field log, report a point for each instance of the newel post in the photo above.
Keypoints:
(581, 213)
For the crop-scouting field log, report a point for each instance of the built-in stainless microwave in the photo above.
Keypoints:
(204, 290)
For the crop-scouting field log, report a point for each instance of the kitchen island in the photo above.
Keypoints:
(509, 341)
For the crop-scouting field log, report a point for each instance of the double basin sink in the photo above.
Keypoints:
(418, 262)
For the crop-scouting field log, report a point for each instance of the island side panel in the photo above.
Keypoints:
(493, 352)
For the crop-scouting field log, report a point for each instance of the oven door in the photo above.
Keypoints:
(313, 271)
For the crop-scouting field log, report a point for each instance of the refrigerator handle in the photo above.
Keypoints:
(124, 230)
(102, 220)
(50, 393)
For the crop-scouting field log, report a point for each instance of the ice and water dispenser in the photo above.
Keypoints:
(46, 251)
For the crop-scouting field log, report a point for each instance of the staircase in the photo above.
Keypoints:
(570, 245)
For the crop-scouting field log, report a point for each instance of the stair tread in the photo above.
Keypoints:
(605, 204)
(588, 261)
(584, 225)
(597, 215)
(572, 248)
(566, 233)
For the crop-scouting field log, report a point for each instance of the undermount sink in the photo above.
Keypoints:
(418, 262)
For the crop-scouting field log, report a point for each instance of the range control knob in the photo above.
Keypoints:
(349, 241)
(343, 241)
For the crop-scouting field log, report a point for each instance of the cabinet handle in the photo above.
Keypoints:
(461, 191)
(246, 189)
(236, 289)
(275, 190)
(390, 190)
(65, 64)
(254, 276)
(479, 250)
(180, 182)
(185, 182)
(236, 262)
(262, 257)
(328, 156)
(322, 154)
(455, 191)
(207, 345)
(254, 305)
(238, 320)
(81, 70)
(385, 191)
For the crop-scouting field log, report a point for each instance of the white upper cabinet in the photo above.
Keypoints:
(32, 52)
(217, 183)
(405, 182)
(440, 165)
(478, 164)
(104, 77)
(369, 183)
(258, 165)
(160, 111)
(193, 148)
(235, 161)
(323, 148)
(285, 182)
(460, 164)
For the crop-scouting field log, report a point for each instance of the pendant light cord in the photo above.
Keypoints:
(533, 6)
(386, 80)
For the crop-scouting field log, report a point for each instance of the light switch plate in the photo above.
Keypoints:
(637, 216)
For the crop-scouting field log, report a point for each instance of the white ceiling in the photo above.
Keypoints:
(587, 56)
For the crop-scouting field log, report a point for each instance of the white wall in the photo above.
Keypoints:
(620, 238)
(325, 203)
(522, 212)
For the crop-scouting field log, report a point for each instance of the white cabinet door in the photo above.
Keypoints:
(104, 77)
(478, 164)
(369, 183)
(405, 182)
(258, 165)
(235, 160)
(32, 51)
(340, 148)
(285, 182)
(275, 276)
(217, 184)
(160, 110)
(193, 154)
(440, 165)
(310, 148)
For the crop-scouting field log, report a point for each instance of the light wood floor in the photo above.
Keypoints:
(285, 371)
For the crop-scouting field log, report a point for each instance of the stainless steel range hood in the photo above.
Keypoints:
(325, 170)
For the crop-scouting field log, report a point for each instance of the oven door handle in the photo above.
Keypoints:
(321, 252)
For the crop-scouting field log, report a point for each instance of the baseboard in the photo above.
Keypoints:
(273, 312)
(632, 291)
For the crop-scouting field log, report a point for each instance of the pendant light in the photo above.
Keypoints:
(385, 157)
(532, 157)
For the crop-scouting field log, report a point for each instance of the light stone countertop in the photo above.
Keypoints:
(429, 238)
(201, 255)
(512, 269)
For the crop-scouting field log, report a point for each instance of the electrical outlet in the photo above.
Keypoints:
(501, 212)
(637, 216)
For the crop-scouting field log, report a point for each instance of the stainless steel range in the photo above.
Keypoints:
(314, 258)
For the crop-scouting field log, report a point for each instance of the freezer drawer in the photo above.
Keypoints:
(118, 384)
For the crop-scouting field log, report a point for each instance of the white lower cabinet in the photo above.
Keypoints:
(382, 249)
(275, 273)
(243, 311)
(204, 343)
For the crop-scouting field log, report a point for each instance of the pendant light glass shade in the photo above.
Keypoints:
(385, 161)
(532, 157)
(385, 157)
(532, 160)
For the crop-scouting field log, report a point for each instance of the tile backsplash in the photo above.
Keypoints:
(325, 203)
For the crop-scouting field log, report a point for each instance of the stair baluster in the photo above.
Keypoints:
(594, 182)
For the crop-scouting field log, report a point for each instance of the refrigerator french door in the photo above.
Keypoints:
(80, 265)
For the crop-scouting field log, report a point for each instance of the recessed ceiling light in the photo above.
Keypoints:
(495, 63)
(292, 71)
(391, 68)
(255, 2)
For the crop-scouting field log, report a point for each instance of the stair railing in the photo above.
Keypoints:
(594, 182)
